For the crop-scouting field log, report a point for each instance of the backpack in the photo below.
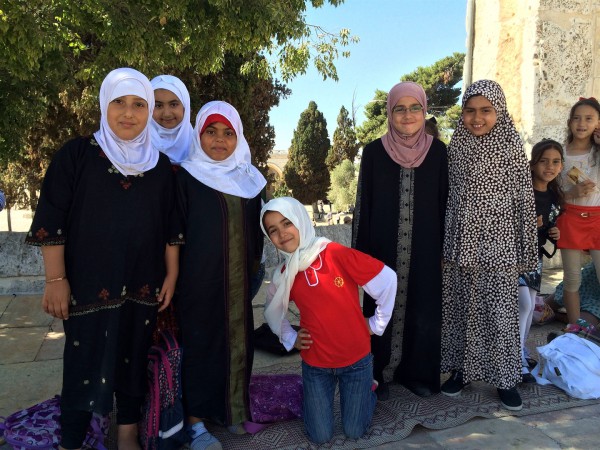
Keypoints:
(38, 427)
(162, 425)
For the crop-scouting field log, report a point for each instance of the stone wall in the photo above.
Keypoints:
(22, 268)
(544, 54)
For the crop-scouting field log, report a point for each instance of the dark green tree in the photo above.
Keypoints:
(305, 173)
(375, 124)
(345, 145)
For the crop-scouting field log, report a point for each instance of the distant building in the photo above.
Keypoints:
(276, 164)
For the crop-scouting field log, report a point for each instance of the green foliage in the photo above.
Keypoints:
(447, 123)
(281, 191)
(345, 145)
(439, 81)
(55, 54)
(305, 173)
(343, 186)
(375, 124)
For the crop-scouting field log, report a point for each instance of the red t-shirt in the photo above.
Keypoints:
(327, 298)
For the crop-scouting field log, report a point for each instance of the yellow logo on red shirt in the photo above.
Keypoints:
(339, 281)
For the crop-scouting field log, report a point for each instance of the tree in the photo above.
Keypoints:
(344, 145)
(55, 54)
(305, 173)
(439, 81)
(343, 186)
(375, 125)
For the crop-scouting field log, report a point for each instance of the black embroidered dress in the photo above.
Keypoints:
(399, 219)
(115, 230)
(223, 248)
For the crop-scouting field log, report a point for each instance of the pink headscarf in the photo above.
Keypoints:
(407, 151)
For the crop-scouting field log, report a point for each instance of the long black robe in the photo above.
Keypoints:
(399, 219)
(114, 229)
(223, 247)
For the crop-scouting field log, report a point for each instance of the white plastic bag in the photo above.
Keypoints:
(572, 364)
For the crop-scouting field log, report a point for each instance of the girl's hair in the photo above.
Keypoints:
(431, 127)
(536, 154)
(587, 102)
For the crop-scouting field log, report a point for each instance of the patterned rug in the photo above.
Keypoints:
(395, 418)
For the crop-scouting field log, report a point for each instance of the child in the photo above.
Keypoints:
(102, 221)
(580, 223)
(219, 193)
(546, 164)
(171, 128)
(322, 278)
(490, 238)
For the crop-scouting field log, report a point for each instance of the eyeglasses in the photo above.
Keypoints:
(410, 110)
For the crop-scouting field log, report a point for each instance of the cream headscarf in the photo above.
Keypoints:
(173, 142)
(137, 155)
(308, 250)
(235, 175)
(408, 151)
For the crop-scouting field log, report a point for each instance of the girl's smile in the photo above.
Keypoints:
(546, 169)
(283, 233)
(168, 109)
(127, 116)
(479, 116)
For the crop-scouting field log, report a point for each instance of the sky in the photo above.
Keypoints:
(396, 37)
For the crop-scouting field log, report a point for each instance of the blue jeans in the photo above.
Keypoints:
(357, 400)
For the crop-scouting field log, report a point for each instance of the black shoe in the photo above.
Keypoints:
(553, 335)
(454, 385)
(418, 389)
(383, 392)
(528, 378)
(531, 363)
(510, 399)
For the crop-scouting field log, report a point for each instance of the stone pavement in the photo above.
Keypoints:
(31, 370)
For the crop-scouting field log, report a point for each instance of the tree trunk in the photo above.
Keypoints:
(8, 218)
(315, 209)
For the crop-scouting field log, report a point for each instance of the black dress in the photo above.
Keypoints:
(115, 230)
(399, 219)
(223, 248)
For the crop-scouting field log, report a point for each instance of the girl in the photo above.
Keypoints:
(219, 194)
(322, 278)
(102, 222)
(171, 127)
(580, 223)
(399, 219)
(546, 164)
(490, 238)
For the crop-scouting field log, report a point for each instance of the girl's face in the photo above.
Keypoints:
(584, 121)
(479, 116)
(548, 167)
(168, 109)
(218, 141)
(283, 233)
(127, 116)
(408, 116)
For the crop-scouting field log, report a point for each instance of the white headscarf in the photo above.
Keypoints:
(308, 250)
(137, 155)
(235, 175)
(173, 142)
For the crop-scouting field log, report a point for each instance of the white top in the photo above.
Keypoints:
(585, 163)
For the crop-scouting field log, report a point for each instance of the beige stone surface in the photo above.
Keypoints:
(25, 311)
(54, 342)
(20, 344)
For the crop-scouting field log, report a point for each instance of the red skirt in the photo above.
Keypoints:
(579, 227)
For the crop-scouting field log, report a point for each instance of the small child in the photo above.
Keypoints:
(490, 239)
(546, 164)
(102, 222)
(322, 278)
(171, 128)
(580, 222)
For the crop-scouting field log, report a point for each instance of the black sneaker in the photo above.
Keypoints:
(510, 399)
(383, 392)
(528, 378)
(454, 385)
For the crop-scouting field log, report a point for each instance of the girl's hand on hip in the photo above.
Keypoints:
(56, 299)
(303, 340)
(554, 233)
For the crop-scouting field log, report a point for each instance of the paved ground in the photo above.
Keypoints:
(31, 368)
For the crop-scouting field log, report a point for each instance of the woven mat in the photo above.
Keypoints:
(395, 418)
